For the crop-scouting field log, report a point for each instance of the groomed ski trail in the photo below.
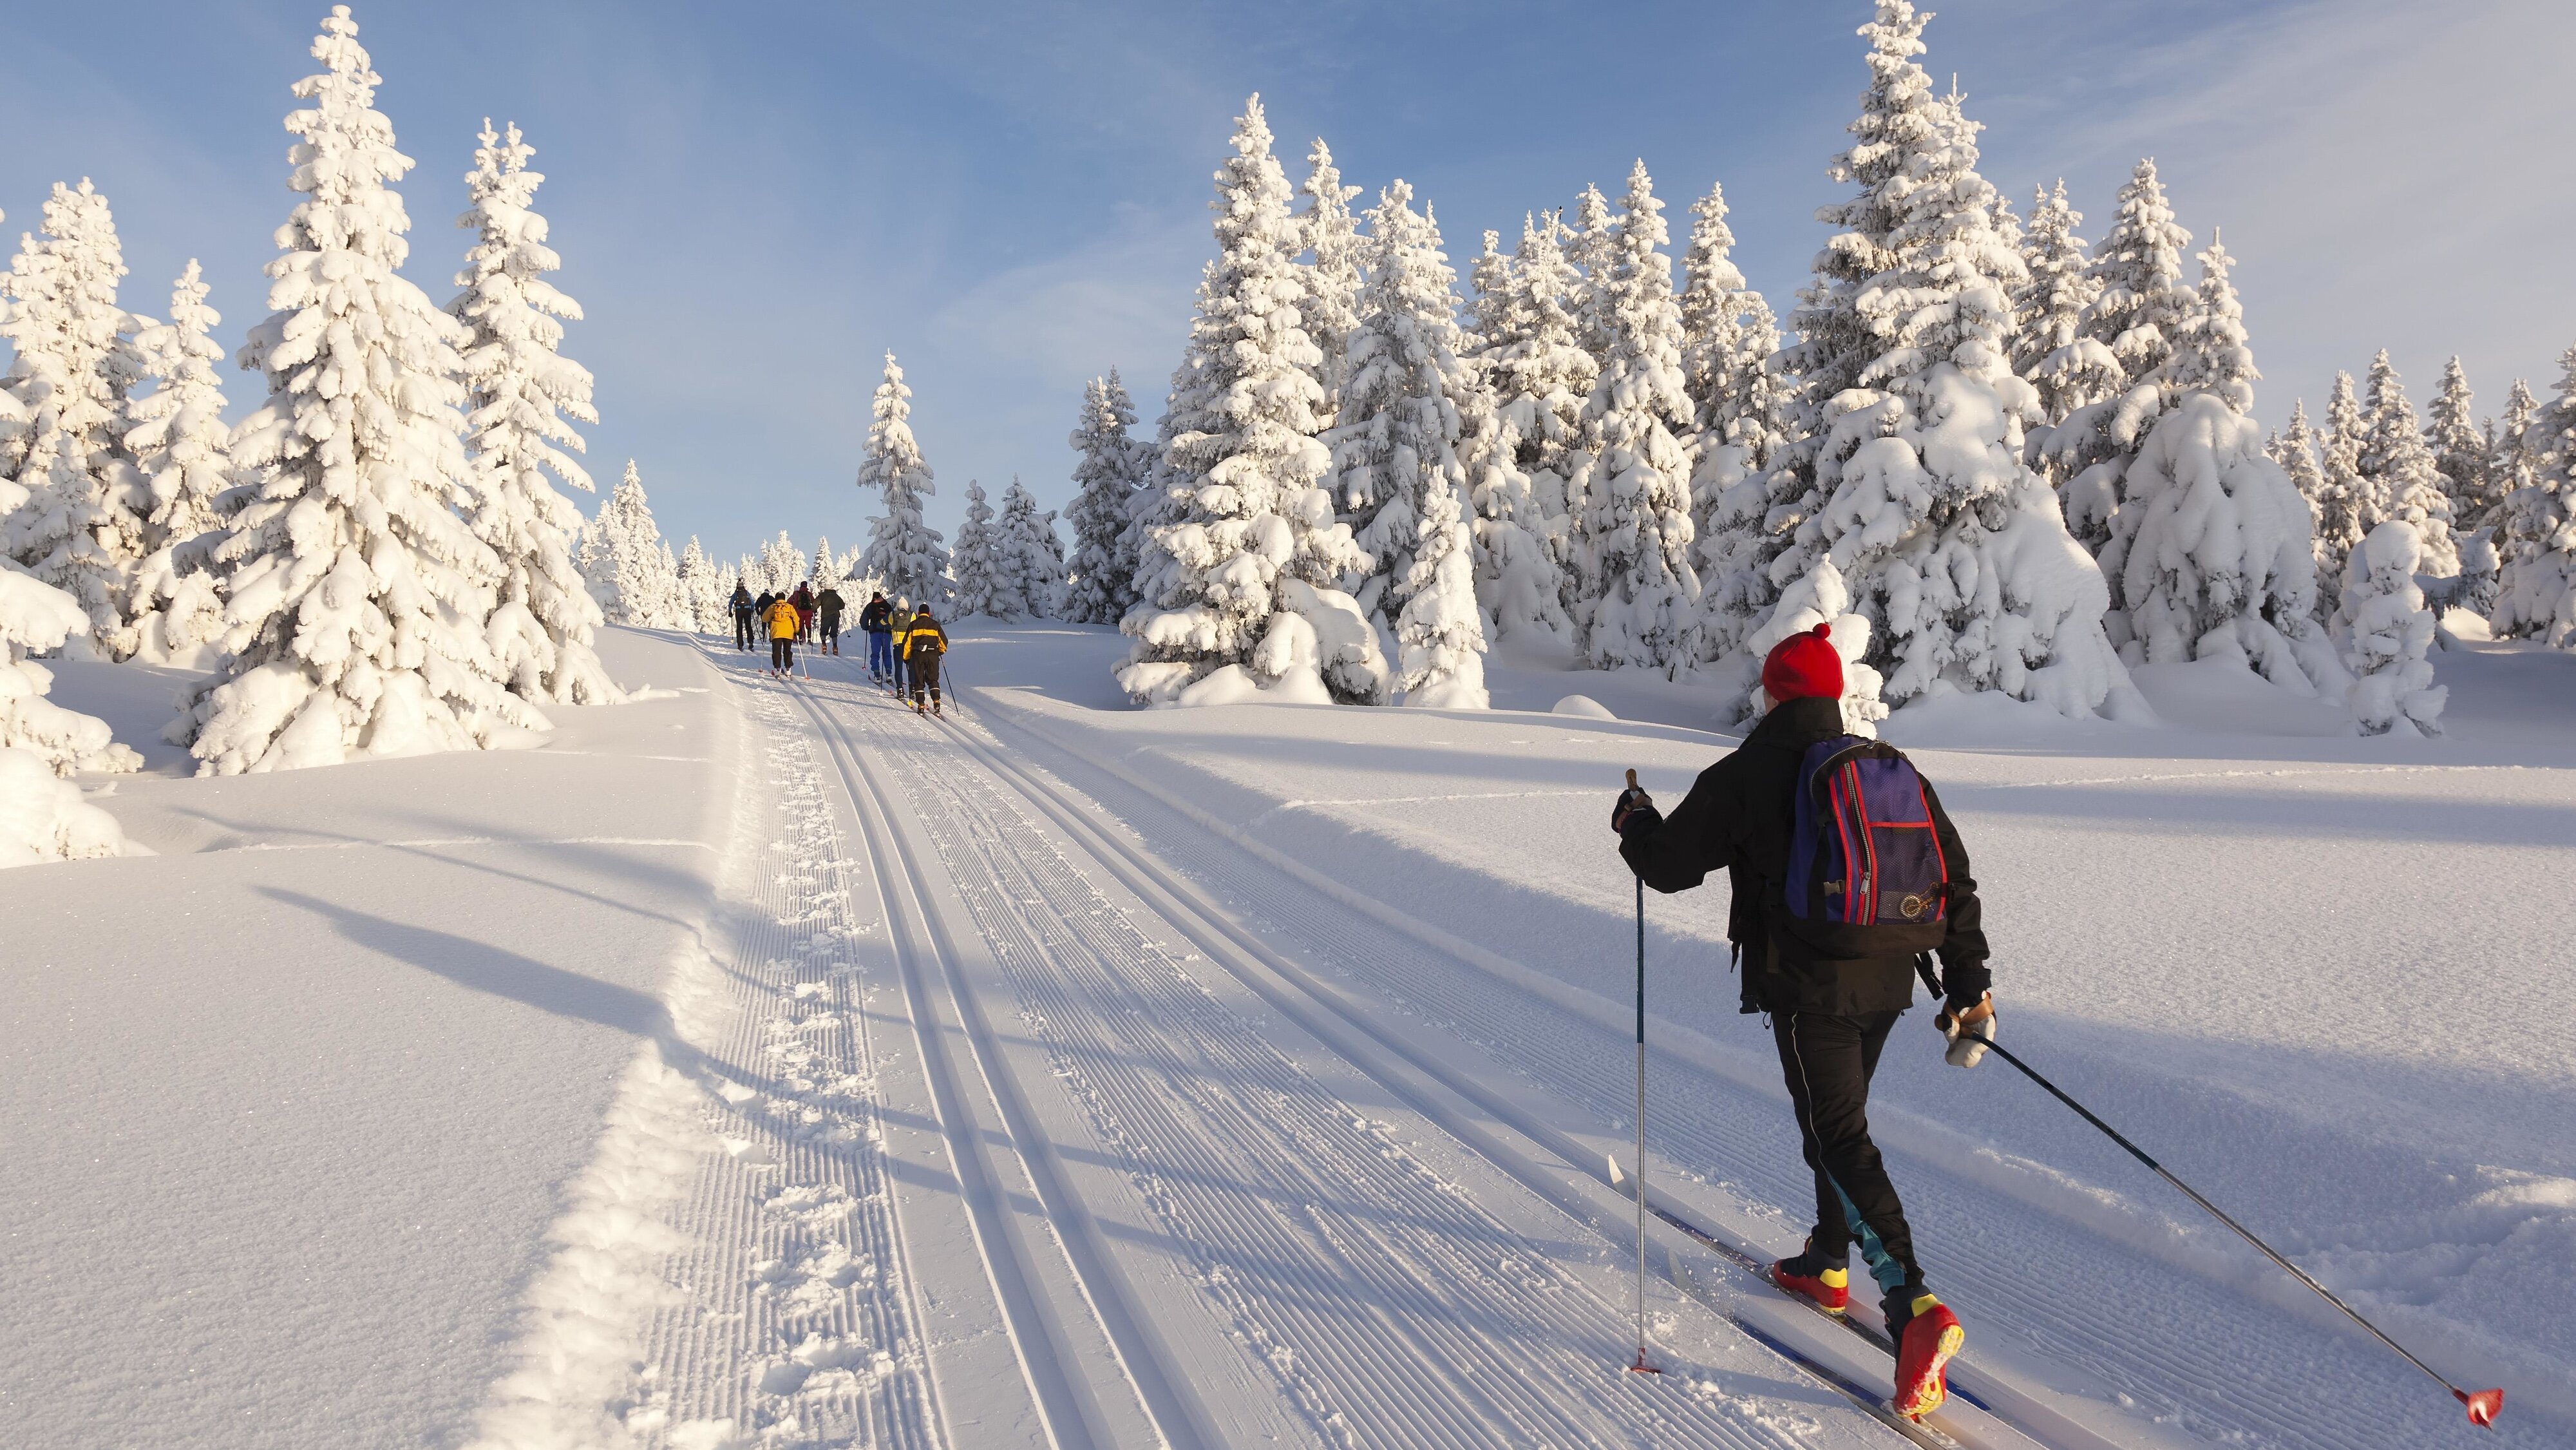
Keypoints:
(1238, 1208)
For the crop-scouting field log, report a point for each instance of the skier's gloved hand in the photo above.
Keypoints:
(1634, 805)
(1968, 1032)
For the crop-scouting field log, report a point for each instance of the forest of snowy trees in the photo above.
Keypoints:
(1987, 454)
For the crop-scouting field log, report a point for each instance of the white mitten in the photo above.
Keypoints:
(1967, 1044)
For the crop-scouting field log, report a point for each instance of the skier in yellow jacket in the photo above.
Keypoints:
(783, 625)
(922, 642)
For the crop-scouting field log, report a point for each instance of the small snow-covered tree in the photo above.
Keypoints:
(1106, 480)
(356, 596)
(1588, 246)
(1541, 377)
(908, 554)
(2460, 450)
(1332, 274)
(782, 563)
(2398, 469)
(2346, 509)
(2213, 544)
(522, 397)
(43, 816)
(1028, 559)
(1517, 583)
(1640, 600)
(703, 591)
(183, 450)
(2051, 349)
(2386, 633)
(1948, 546)
(82, 525)
(2508, 465)
(825, 571)
(634, 589)
(1239, 588)
(2537, 595)
(978, 585)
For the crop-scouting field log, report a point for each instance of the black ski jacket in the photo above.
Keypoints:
(877, 618)
(1738, 815)
(828, 604)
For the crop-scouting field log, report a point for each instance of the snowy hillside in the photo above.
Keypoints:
(758, 1064)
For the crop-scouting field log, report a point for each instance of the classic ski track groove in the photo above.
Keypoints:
(1418, 1299)
(2198, 1385)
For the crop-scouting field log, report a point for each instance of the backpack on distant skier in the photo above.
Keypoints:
(1866, 873)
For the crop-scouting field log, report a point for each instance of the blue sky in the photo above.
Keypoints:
(1013, 197)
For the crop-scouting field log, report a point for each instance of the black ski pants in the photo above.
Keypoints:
(925, 676)
(1828, 1060)
(742, 629)
(782, 652)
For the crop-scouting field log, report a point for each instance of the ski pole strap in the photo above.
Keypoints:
(2215, 1212)
(1923, 969)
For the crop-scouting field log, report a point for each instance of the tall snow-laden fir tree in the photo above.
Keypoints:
(1534, 363)
(1028, 559)
(1639, 604)
(630, 582)
(1332, 244)
(2537, 597)
(1517, 583)
(1397, 441)
(976, 564)
(1106, 478)
(2140, 310)
(1957, 564)
(2051, 350)
(909, 555)
(522, 397)
(82, 525)
(183, 449)
(2398, 468)
(1240, 585)
(2345, 508)
(1740, 411)
(2213, 543)
(2460, 450)
(2386, 633)
(356, 595)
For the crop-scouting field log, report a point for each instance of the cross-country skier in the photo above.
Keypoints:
(924, 642)
(782, 636)
(902, 617)
(1830, 1012)
(741, 606)
(803, 599)
(827, 618)
(878, 621)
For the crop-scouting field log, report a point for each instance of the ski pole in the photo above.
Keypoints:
(2483, 1405)
(1641, 1367)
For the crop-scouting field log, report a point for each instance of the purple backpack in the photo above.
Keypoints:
(1866, 874)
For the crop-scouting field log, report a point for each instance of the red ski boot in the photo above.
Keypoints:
(1927, 1336)
(1810, 1277)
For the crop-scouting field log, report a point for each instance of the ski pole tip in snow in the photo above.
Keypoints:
(2484, 1405)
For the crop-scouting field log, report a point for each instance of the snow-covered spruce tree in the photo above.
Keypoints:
(1333, 248)
(1106, 479)
(522, 397)
(1541, 378)
(1398, 436)
(2460, 450)
(2403, 483)
(627, 575)
(2346, 509)
(1639, 604)
(702, 591)
(356, 595)
(906, 553)
(2141, 308)
(183, 449)
(782, 563)
(1240, 596)
(2051, 350)
(1587, 246)
(2508, 465)
(1517, 582)
(976, 566)
(2213, 543)
(2537, 597)
(825, 568)
(1740, 408)
(1952, 551)
(82, 527)
(42, 815)
(1028, 559)
(2385, 633)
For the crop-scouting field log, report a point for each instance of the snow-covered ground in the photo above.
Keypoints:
(758, 1064)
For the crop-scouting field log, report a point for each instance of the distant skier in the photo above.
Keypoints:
(783, 625)
(827, 619)
(878, 622)
(743, 616)
(902, 617)
(924, 642)
(1833, 965)
(803, 599)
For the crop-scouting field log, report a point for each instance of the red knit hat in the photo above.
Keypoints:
(1804, 666)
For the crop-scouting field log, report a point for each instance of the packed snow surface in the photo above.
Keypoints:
(760, 1064)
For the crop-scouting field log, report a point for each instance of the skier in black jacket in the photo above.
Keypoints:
(877, 620)
(1829, 1016)
(742, 617)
